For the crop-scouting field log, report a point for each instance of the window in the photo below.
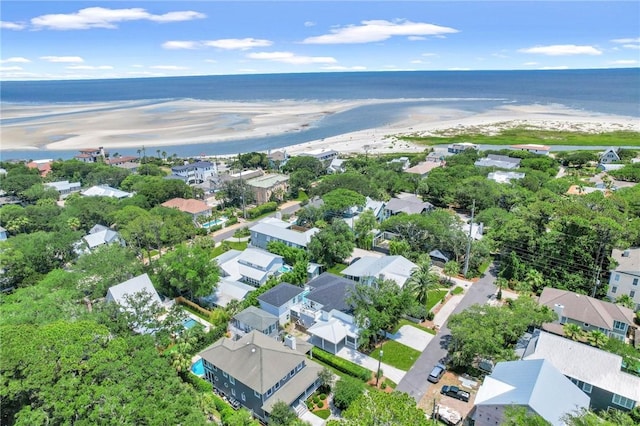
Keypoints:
(269, 392)
(622, 401)
(619, 325)
(614, 289)
(243, 397)
(233, 392)
(224, 374)
(632, 294)
(257, 394)
(277, 386)
(587, 387)
(226, 385)
(635, 281)
(586, 325)
(232, 380)
(292, 373)
(617, 277)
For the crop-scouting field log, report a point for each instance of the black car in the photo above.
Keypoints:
(455, 392)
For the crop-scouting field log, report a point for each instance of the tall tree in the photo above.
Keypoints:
(332, 244)
(381, 408)
(423, 280)
(188, 270)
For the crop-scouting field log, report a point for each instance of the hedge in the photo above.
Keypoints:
(199, 383)
(271, 206)
(342, 365)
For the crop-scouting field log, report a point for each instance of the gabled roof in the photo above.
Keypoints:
(191, 166)
(256, 360)
(586, 309)
(258, 257)
(63, 185)
(256, 318)
(586, 363)
(105, 191)
(424, 167)
(280, 294)
(628, 260)
(397, 268)
(131, 287)
(267, 181)
(285, 234)
(500, 161)
(410, 205)
(189, 205)
(331, 291)
(536, 384)
(333, 330)
(100, 236)
(228, 290)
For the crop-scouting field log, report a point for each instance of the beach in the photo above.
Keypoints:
(130, 124)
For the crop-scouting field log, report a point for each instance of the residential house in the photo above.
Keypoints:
(474, 230)
(258, 371)
(253, 266)
(368, 268)
(610, 156)
(605, 167)
(583, 190)
(403, 161)
(498, 161)
(196, 208)
(64, 187)
(121, 293)
(598, 373)
(457, 148)
(119, 161)
(277, 159)
(533, 148)
(337, 165)
(197, 172)
(272, 229)
(353, 214)
(269, 186)
(130, 166)
(279, 300)
(589, 313)
(625, 278)
(226, 291)
(3, 234)
(98, 236)
(535, 385)
(321, 154)
(423, 168)
(500, 176)
(438, 258)
(43, 166)
(106, 191)
(406, 203)
(91, 155)
(253, 318)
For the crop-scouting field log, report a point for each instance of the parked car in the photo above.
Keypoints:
(455, 392)
(437, 373)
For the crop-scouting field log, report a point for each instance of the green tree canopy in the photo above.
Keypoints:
(332, 244)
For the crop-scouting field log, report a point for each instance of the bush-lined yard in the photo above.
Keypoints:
(396, 355)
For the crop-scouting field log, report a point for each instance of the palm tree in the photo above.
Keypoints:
(423, 279)
(451, 268)
(597, 338)
(626, 301)
(572, 331)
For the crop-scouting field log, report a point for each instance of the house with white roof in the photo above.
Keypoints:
(197, 172)
(252, 266)
(500, 176)
(498, 161)
(337, 165)
(533, 148)
(536, 385)
(272, 229)
(321, 154)
(597, 372)
(625, 277)
(106, 191)
(227, 290)
(98, 236)
(64, 187)
(368, 268)
(121, 293)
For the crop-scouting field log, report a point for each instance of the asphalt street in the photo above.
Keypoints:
(415, 381)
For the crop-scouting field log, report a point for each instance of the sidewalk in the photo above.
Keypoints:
(443, 314)
(371, 364)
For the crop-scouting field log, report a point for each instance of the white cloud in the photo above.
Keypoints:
(70, 59)
(560, 67)
(4, 69)
(309, 24)
(530, 63)
(429, 54)
(418, 61)
(562, 50)
(137, 66)
(626, 40)
(290, 58)
(89, 67)
(625, 62)
(631, 46)
(100, 17)
(341, 68)
(499, 55)
(458, 69)
(416, 38)
(168, 67)
(16, 26)
(15, 60)
(237, 43)
(175, 44)
(378, 30)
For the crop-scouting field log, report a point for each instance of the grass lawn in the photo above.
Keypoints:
(337, 268)
(523, 135)
(457, 290)
(390, 384)
(396, 354)
(323, 414)
(412, 324)
(435, 296)
(232, 244)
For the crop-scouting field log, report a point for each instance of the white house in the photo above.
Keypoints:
(368, 268)
(610, 156)
(533, 148)
(197, 172)
(122, 292)
(625, 278)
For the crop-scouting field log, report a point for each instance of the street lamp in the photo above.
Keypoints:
(378, 373)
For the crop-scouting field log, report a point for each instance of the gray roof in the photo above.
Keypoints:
(63, 185)
(499, 161)
(412, 205)
(397, 268)
(628, 264)
(131, 287)
(258, 257)
(586, 363)
(197, 164)
(280, 294)
(586, 309)
(227, 256)
(535, 384)
(331, 291)
(277, 231)
(101, 237)
(228, 290)
(256, 318)
(256, 360)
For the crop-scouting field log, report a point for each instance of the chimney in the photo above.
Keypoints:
(559, 310)
(290, 341)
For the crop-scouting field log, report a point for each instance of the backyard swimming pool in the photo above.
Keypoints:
(285, 268)
(216, 222)
(198, 368)
(190, 323)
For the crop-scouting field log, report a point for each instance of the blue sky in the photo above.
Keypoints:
(115, 39)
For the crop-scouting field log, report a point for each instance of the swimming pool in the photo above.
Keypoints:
(190, 323)
(198, 368)
(285, 268)
(216, 222)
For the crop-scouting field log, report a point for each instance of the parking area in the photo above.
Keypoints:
(412, 337)
(433, 395)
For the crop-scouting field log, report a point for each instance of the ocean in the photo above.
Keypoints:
(607, 91)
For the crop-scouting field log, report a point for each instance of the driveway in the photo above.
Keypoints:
(412, 337)
(371, 364)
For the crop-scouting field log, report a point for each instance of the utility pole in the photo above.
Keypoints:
(466, 258)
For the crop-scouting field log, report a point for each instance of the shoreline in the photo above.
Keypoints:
(126, 125)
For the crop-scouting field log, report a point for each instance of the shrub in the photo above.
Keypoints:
(320, 404)
(323, 396)
(315, 399)
(417, 311)
(346, 391)
(430, 316)
(383, 385)
(232, 220)
(262, 209)
(310, 405)
(342, 365)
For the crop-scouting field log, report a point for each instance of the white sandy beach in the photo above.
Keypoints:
(133, 124)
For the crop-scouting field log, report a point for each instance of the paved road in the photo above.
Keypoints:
(221, 235)
(415, 381)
